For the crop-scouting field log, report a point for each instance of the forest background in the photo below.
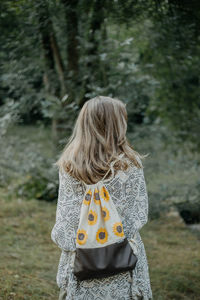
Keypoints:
(54, 56)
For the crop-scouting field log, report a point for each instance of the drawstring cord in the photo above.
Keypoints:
(112, 170)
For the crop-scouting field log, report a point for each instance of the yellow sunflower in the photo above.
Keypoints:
(97, 197)
(81, 237)
(88, 197)
(92, 217)
(102, 236)
(118, 229)
(105, 213)
(104, 194)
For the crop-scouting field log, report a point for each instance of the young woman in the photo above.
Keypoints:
(99, 151)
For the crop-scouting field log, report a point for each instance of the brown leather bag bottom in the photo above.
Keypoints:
(105, 261)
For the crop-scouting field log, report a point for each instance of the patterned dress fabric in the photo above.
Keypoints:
(129, 194)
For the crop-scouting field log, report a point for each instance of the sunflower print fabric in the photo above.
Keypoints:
(102, 236)
(99, 219)
(81, 237)
(118, 229)
(104, 194)
(97, 198)
(92, 217)
(87, 198)
(105, 213)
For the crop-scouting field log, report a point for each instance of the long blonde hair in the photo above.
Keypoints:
(99, 136)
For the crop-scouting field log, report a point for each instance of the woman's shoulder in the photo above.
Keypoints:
(69, 180)
(64, 174)
(132, 166)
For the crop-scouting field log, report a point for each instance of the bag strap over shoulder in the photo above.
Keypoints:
(111, 167)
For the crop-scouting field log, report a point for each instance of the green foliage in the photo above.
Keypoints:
(36, 186)
(175, 66)
(172, 173)
(58, 54)
(28, 155)
(144, 53)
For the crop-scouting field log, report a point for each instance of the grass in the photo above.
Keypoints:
(28, 256)
(174, 259)
(29, 259)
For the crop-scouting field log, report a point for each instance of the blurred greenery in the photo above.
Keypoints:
(57, 54)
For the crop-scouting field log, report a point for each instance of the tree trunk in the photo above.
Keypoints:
(70, 8)
(54, 77)
(59, 64)
(93, 66)
(52, 57)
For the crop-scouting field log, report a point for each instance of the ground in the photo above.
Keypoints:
(29, 258)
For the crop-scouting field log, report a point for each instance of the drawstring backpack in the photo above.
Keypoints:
(101, 247)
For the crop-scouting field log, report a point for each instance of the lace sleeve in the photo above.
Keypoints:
(137, 197)
(142, 201)
(67, 213)
(137, 217)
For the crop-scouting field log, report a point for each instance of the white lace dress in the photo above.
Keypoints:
(129, 193)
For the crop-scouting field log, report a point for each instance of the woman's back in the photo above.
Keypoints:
(97, 141)
(128, 191)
